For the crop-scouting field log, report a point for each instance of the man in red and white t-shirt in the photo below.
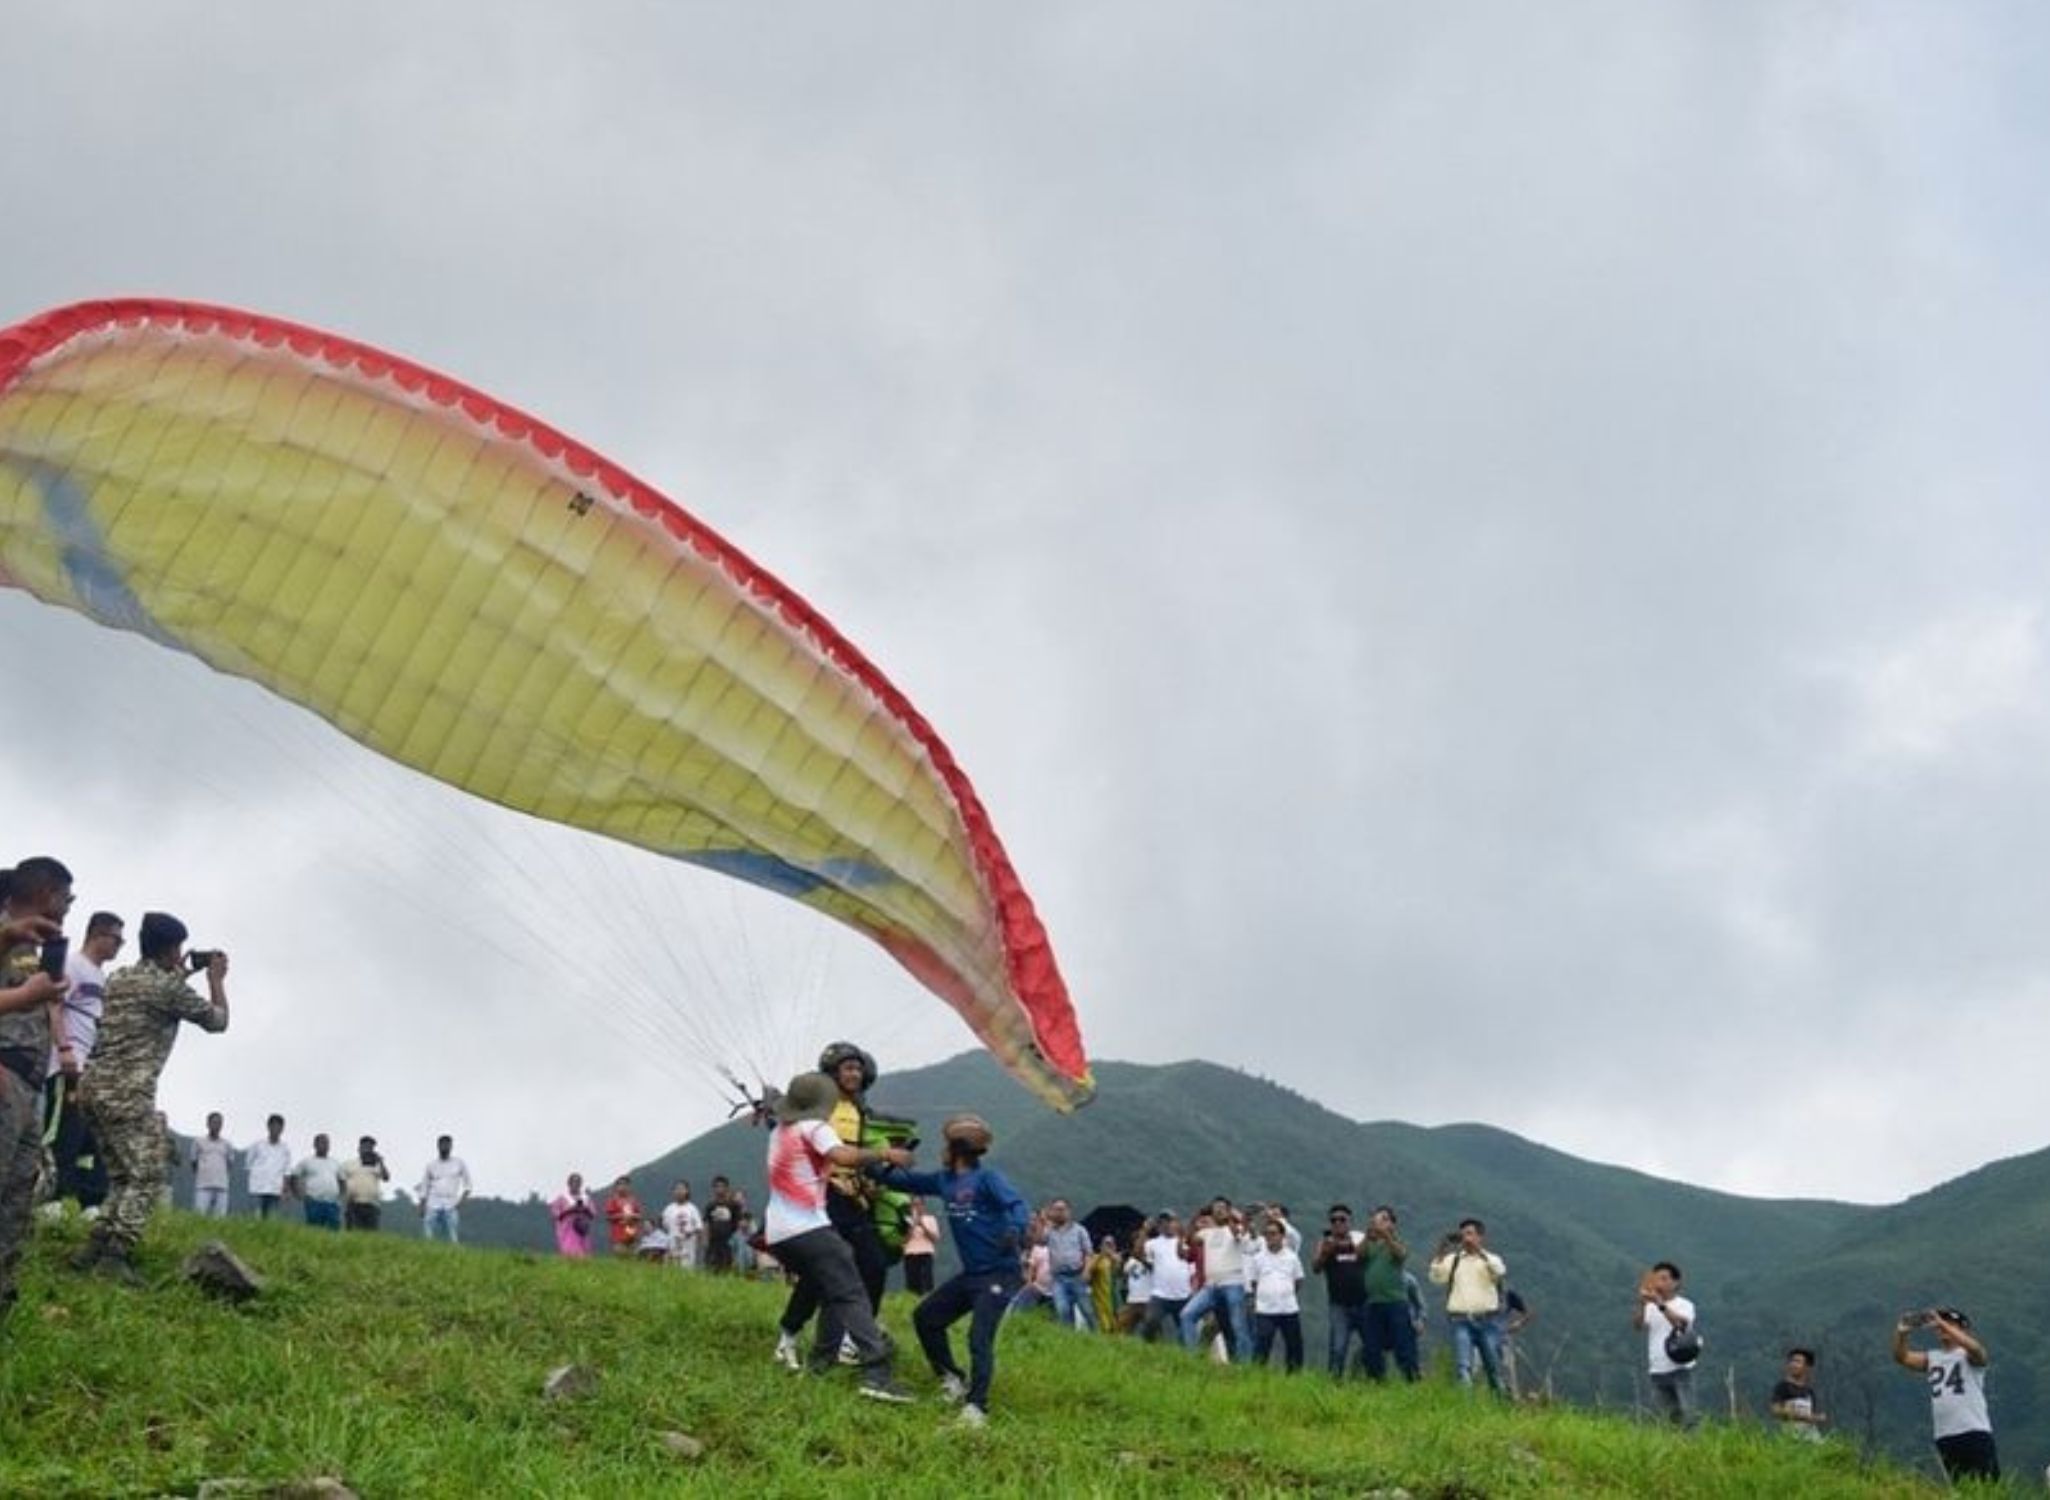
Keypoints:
(802, 1152)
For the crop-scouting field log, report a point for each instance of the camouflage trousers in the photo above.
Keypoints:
(21, 1159)
(132, 1145)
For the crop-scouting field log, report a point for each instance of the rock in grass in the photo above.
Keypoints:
(682, 1445)
(213, 1267)
(568, 1382)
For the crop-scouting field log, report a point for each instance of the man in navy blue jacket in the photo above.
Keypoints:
(988, 1218)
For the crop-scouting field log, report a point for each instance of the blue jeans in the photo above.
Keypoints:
(1346, 1324)
(1389, 1331)
(440, 1224)
(1478, 1333)
(1070, 1292)
(1232, 1319)
(1290, 1327)
(323, 1215)
(987, 1297)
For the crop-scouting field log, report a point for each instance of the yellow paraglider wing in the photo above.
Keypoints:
(469, 592)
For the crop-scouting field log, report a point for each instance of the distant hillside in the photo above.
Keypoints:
(1575, 1233)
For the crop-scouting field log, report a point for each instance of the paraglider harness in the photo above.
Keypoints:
(889, 1208)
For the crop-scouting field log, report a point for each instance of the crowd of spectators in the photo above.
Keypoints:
(82, 1049)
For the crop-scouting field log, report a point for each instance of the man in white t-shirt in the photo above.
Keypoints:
(1956, 1373)
(211, 1157)
(74, 1154)
(1272, 1271)
(268, 1166)
(444, 1188)
(685, 1227)
(1223, 1244)
(319, 1181)
(1172, 1279)
(1660, 1313)
(803, 1150)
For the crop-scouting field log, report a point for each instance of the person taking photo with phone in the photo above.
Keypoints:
(145, 1005)
(1956, 1374)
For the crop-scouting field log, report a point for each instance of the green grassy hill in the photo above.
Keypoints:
(407, 1369)
(1576, 1233)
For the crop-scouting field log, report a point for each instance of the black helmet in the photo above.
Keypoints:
(838, 1052)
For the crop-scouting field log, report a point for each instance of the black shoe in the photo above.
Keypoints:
(86, 1256)
(883, 1388)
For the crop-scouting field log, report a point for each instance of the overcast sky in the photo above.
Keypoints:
(1490, 562)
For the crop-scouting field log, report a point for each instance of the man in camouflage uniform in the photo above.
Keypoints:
(37, 893)
(145, 1004)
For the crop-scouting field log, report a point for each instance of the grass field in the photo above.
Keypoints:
(408, 1369)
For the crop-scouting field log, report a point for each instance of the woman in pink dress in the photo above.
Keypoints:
(573, 1216)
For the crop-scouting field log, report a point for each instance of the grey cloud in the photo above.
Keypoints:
(1454, 546)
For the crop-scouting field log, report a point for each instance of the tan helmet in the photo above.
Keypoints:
(971, 1131)
(811, 1096)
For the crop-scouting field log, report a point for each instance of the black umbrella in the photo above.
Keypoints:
(1117, 1220)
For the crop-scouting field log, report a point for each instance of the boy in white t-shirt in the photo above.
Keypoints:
(1272, 1272)
(685, 1227)
(1956, 1372)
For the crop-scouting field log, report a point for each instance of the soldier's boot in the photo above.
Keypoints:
(116, 1265)
(86, 1256)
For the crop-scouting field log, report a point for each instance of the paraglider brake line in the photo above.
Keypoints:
(760, 1108)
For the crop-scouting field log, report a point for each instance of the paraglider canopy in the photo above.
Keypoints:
(468, 591)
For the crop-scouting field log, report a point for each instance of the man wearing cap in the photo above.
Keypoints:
(803, 1151)
(1956, 1372)
(138, 1027)
(988, 1218)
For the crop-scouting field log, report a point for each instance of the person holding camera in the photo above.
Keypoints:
(363, 1183)
(1221, 1247)
(1472, 1276)
(1672, 1342)
(1956, 1374)
(145, 1005)
(1383, 1259)
(1338, 1260)
(34, 896)
(573, 1215)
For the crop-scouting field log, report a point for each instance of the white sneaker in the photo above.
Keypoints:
(972, 1416)
(849, 1355)
(953, 1389)
(786, 1352)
